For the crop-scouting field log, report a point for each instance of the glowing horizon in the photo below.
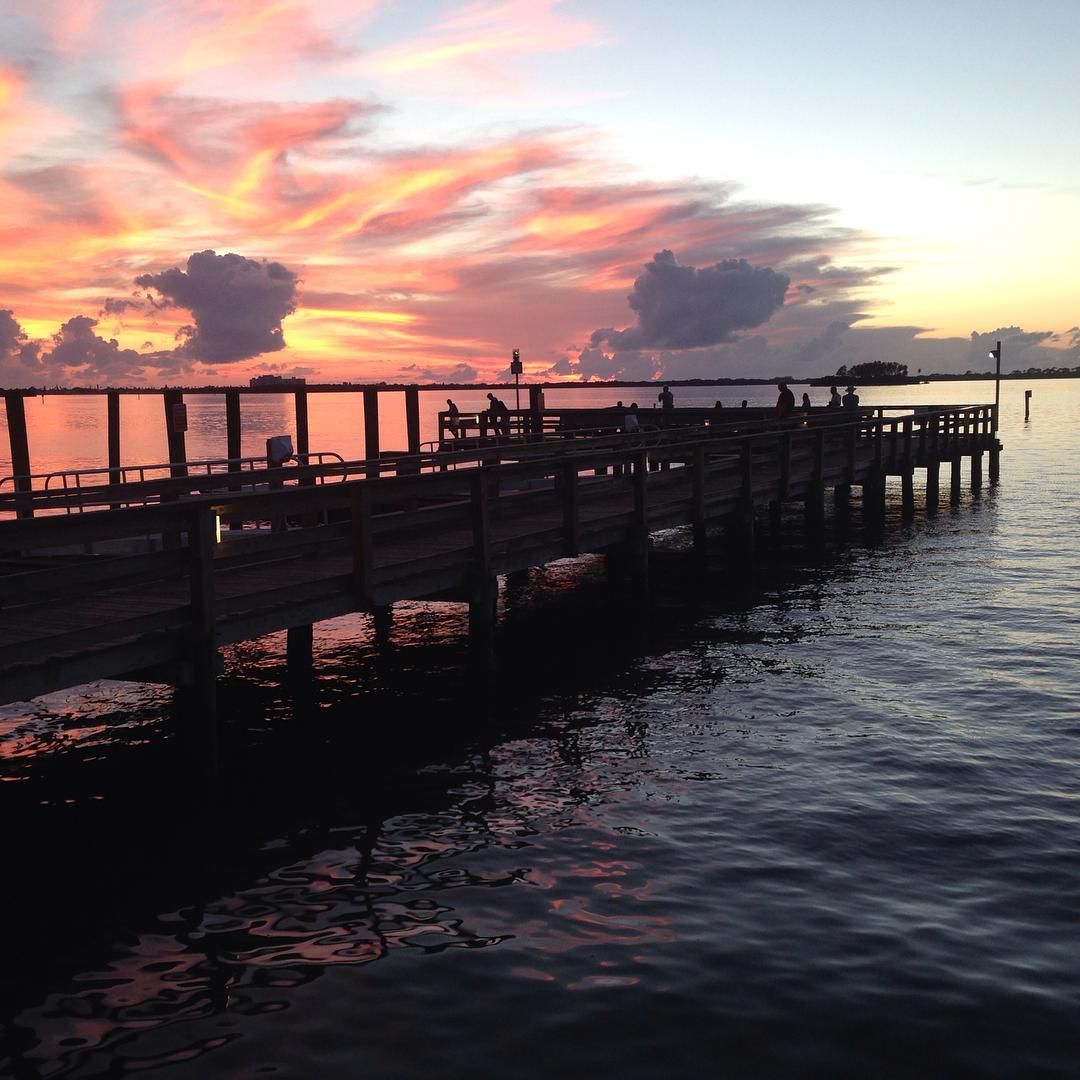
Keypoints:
(438, 188)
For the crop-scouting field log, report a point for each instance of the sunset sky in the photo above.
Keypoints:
(201, 191)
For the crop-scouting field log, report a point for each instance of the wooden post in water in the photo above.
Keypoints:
(639, 532)
(976, 470)
(954, 487)
(815, 495)
(199, 703)
(361, 540)
(303, 446)
(744, 523)
(20, 449)
(536, 410)
(483, 586)
(874, 500)
(995, 450)
(299, 658)
(113, 422)
(697, 504)
(233, 443)
(175, 427)
(571, 509)
(907, 491)
(371, 429)
(933, 477)
(412, 418)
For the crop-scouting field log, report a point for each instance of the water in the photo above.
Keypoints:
(825, 825)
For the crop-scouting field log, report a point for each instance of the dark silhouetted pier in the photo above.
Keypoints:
(149, 579)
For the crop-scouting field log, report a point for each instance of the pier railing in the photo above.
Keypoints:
(111, 590)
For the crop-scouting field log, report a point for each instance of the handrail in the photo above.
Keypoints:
(937, 422)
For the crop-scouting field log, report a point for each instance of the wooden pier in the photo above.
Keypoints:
(150, 579)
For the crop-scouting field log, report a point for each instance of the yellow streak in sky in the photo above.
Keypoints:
(363, 316)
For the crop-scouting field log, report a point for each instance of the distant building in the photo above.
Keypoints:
(276, 380)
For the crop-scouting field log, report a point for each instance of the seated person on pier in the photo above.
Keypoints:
(834, 398)
(851, 399)
(806, 402)
(630, 420)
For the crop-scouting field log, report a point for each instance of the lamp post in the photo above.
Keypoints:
(995, 354)
(515, 370)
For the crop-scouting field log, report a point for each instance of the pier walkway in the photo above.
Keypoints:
(149, 580)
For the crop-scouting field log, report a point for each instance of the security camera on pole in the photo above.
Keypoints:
(515, 370)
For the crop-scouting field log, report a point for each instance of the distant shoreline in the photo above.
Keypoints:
(346, 387)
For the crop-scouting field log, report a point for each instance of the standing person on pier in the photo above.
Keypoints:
(785, 402)
(834, 398)
(851, 399)
(806, 402)
(666, 398)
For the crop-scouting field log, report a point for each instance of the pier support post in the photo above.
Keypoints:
(382, 617)
(198, 700)
(842, 495)
(298, 651)
(371, 429)
(113, 421)
(933, 477)
(175, 427)
(20, 449)
(638, 544)
(412, 418)
(907, 489)
(814, 508)
(976, 470)
(874, 501)
(995, 461)
(697, 505)
(483, 608)
(954, 486)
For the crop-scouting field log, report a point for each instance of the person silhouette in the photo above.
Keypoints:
(851, 399)
(785, 402)
(666, 399)
(454, 420)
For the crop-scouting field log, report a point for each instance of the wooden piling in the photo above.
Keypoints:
(300, 401)
(113, 423)
(299, 657)
(412, 418)
(175, 428)
(200, 700)
(907, 492)
(976, 470)
(933, 478)
(571, 509)
(371, 429)
(20, 448)
(697, 502)
(954, 485)
(995, 461)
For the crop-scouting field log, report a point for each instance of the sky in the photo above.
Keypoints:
(196, 191)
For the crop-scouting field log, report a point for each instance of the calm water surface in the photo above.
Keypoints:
(826, 823)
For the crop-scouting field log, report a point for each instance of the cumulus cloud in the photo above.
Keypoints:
(76, 346)
(19, 357)
(238, 304)
(681, 307)
(458, 373)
